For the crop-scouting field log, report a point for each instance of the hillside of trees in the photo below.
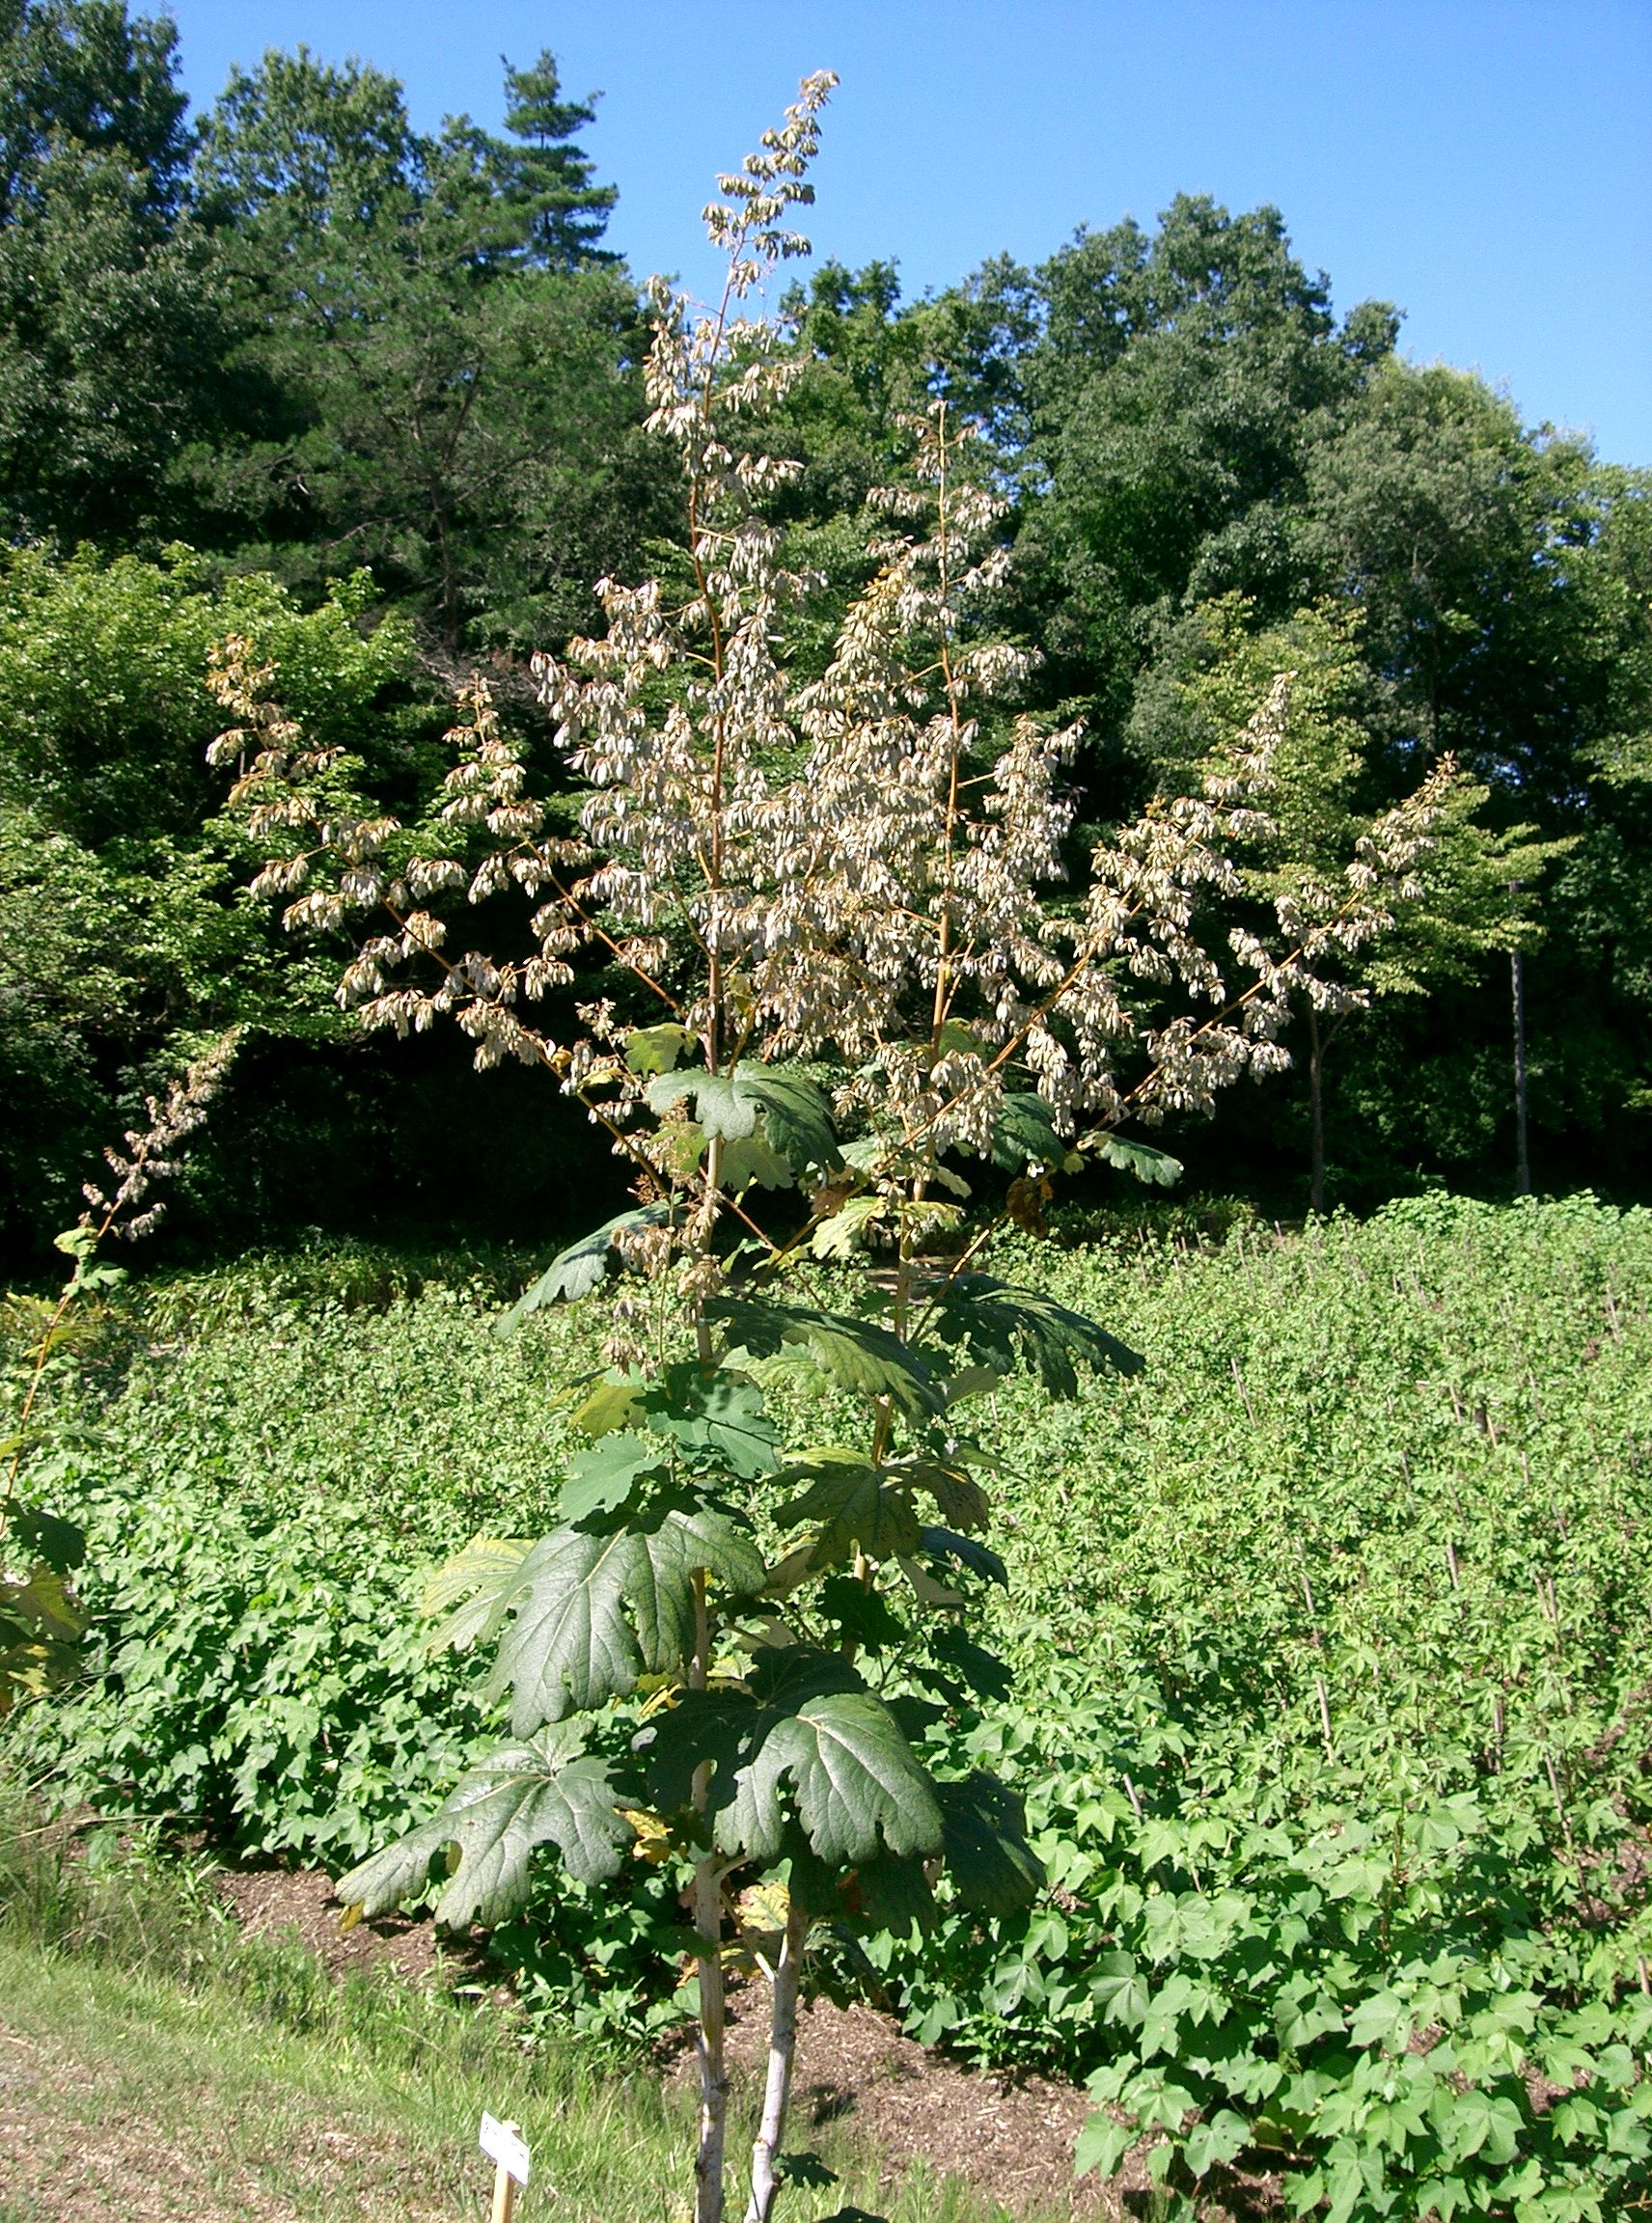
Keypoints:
(372, 399)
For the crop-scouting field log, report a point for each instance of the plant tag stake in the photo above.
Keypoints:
(503, 2147)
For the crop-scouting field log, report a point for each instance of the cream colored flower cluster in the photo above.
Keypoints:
(869, 867)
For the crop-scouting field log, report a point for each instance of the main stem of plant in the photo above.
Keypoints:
(709, 1927)
(783, 2050)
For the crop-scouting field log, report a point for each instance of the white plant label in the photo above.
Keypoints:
(502, 2145)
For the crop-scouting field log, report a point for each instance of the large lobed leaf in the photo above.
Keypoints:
(796, 1117)
(993, 1868)
(854, 1505)
(580, 1269)
(544, 1791)
(855, 1355)
(1024, 1133)
(585, 1614)
(706, 1411)
(861, 1505)
(1140, 1158)
(806, 1732)
(593, 1612)
(995, 1322)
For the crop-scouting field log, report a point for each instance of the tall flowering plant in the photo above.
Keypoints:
(41, 1622)
(839, 904)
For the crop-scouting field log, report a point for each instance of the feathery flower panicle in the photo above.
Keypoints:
(151, 1151)
(869, 867)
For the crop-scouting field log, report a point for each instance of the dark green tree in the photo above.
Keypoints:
(454, 413)
(547, 182)
(1467, 540)
(111, 333)
(1175, 393)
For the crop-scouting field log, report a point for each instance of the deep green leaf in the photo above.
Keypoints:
(959, 1496)
(797, 1117)
(992, 1867)
(1147, 1164)
(45, 1538)
(862, 1616)
(589, 1613)
(854, 1354)
(853, 1775)
(581, 1267)
(961, 1665)
(965, 1552)
(1024, 1133)
(855, 1504)
(797, 1114)
(891, 1895)
(540, 1792)
(993, 1321)
(602, 1477)
(807, 1731)
(708, 1409)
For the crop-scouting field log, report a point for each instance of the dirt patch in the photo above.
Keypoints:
(276, 1902)
(80, 2143)
(1009, 2136)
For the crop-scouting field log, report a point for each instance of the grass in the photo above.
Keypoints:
(154, 2064)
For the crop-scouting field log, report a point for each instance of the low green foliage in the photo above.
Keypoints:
(254, 1503)
(1407, 1462)
(1338, 1622)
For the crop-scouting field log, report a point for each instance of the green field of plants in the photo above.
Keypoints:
(1329, 1648)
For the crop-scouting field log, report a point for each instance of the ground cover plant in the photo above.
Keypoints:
(41, 1621)
(1308, 1426)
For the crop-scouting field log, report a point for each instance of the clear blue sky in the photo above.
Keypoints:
(1485, 164)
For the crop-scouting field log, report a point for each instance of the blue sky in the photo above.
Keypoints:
(1485, 164)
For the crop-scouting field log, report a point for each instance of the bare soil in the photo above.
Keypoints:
(1010, 2135)
(78, 2141)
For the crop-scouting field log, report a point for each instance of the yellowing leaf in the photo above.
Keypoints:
(848, 1229)
(611, 1405)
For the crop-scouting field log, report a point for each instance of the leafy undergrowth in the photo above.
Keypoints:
(1333, 1639)
(154, 2062)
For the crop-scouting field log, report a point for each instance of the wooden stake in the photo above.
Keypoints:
(502, 2143)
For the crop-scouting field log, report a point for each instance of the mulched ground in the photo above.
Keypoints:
(1011, 2136)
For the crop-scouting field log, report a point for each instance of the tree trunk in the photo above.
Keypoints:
(1522, 1136)
(709, 2037)
(709, 1925)
(1316, 1106)
(783, 2046)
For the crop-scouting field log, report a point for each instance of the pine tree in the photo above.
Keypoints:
(548, 181)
